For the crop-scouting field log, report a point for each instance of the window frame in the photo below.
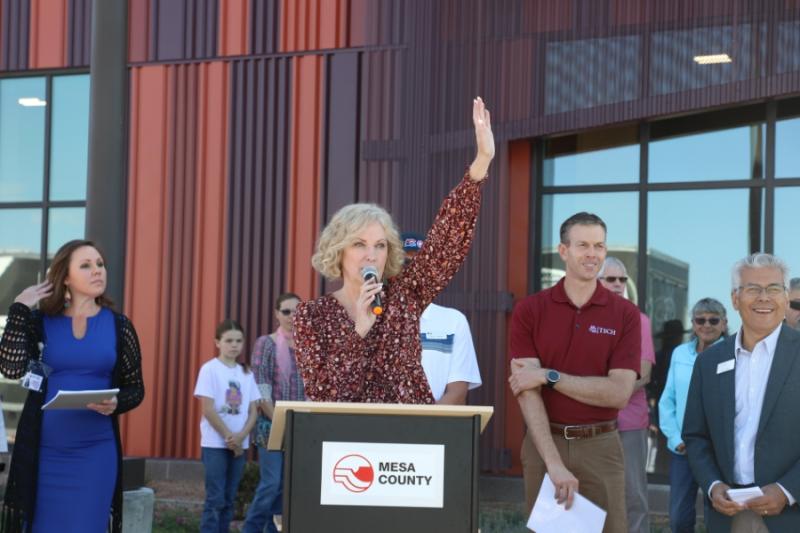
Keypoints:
(762, 190)
(45, 204)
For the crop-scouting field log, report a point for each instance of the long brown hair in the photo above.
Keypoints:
(57, 274)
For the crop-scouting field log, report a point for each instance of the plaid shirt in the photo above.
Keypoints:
(263, 366)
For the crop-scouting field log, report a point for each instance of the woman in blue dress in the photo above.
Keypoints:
(66, 465)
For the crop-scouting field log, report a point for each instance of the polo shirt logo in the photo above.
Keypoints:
(601, 330)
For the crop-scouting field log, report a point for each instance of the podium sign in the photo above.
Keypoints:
(380, 474)
(369, 469)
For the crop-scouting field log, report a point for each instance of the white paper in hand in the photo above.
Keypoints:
(744, 495)
(550, 517)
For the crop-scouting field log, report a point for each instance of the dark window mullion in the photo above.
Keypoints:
(48, 116)
(641, 258)
(769, 180)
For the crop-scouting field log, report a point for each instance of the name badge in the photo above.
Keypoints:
(37, 372)
(726, 366)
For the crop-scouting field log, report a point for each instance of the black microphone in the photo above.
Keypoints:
(371, 273)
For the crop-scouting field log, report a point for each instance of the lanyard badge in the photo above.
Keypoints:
(35, 376)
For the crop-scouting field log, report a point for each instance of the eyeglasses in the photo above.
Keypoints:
(701, 321)
(754, 291)
(286, 312)
(613, 279)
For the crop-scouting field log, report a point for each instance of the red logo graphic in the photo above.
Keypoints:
(354, 472)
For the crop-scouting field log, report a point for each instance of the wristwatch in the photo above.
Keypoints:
(553, 377)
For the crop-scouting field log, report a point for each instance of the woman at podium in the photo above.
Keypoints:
(361, 343)
(66, 470)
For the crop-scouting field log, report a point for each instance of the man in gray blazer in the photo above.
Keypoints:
(742, 422)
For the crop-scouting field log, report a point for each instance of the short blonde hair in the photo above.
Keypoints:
(340, 233)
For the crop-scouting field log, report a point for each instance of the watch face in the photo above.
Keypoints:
(553, 375)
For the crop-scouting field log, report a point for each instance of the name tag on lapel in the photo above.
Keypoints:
(726, 366)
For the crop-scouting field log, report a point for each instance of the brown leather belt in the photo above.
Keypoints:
(586, 431)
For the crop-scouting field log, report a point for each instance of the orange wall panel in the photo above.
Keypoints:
(304, 188)
(48, 30)
(313, 24)
(175, 267)
(519, 239)
(138, 29)
(147, 179)
(209, 228)
(234, 27)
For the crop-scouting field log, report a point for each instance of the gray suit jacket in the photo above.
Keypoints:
(708, 427)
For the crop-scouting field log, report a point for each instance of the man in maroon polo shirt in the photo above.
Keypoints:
(576, 355)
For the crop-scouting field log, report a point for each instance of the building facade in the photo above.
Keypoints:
(251, 121)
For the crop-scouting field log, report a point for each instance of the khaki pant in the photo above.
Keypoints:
(748, 522)
(596, 462)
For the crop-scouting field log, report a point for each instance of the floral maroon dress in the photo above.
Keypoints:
(338, 365)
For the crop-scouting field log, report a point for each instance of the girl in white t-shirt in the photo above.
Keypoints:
(229, 395)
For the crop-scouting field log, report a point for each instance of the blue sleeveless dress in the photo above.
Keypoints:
(78, 452)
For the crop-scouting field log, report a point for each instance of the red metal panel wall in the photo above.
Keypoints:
(305, 164)
(79, 33)
(164, 30)
(14, 28)
(233, 27)
(48, 34)
(257, 252)
(176, 244)
(313, 24)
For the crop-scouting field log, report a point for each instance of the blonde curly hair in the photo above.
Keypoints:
(340, 233)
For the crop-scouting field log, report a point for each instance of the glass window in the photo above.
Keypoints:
(730, 154)
(787, 154)
(619, 210)
(693, 241)
(22, 125)
(65, 224)
(69, 137)
(787, 246)
(607, 156)
(20, 252)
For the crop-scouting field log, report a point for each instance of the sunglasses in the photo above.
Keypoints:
(795, 304)
(613, 279)
(700, 321)
(286, 312)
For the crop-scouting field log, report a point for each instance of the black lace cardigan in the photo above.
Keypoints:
(21, 341)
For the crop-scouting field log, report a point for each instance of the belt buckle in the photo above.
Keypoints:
(567, 437)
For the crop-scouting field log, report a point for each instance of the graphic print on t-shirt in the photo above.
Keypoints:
(233, 398)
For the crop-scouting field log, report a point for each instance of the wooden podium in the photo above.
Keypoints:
(385, 468)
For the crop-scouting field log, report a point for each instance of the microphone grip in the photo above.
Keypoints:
(376, 305)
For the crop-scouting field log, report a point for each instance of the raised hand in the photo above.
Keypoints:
(34, 294)
(484, 140)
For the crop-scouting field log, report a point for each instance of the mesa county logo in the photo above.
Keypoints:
(601, 330)
(354, 472)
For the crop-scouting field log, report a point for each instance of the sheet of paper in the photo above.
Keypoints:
(742, 495)
(77, 399)
(550, 517)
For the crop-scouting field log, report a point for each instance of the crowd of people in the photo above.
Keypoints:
(583, 367)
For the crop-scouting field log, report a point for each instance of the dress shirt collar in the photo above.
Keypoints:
(770, 342)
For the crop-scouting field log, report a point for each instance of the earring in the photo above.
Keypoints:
(67, 298)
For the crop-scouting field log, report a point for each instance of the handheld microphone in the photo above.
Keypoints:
(368, 273)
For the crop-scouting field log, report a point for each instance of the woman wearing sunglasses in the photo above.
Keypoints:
(709, 326)
(275, 369)
(635, 418)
